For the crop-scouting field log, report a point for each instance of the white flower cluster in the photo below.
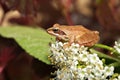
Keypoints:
(77, 63)
(117, 46)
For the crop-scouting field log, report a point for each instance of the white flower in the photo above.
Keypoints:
(76, 63)
(119, 77)
(84, 57)
(117, 46)
(108, 71)
(115, 79)
(91, 77)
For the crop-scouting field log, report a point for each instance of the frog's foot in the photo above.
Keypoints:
(66, 45)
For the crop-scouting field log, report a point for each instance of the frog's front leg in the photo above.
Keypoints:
(69, 42)
(62, 38)
(72, 39)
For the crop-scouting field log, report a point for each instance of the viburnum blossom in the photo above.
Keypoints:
(77, 63)
(117, 46)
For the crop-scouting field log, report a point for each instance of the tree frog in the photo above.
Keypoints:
(74, 34)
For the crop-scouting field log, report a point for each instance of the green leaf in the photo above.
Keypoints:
(34, 41)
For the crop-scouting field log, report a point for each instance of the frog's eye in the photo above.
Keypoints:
(57, 31)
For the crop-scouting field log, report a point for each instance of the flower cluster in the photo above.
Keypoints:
(117, 46)
(77, 63)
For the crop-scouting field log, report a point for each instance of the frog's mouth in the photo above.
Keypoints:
(60, 35)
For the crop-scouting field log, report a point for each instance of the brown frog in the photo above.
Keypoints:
(74, 34)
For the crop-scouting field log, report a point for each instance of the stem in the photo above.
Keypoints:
(107, 48)
(66, 12)
(104, 55)
(115, 64)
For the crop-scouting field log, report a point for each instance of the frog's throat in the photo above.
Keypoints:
(63, 38)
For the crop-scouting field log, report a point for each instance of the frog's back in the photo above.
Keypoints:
(77, 28)
(74, 30)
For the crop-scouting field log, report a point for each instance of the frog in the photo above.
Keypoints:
(74, 34)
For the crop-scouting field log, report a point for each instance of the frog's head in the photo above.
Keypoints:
(57, 31)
